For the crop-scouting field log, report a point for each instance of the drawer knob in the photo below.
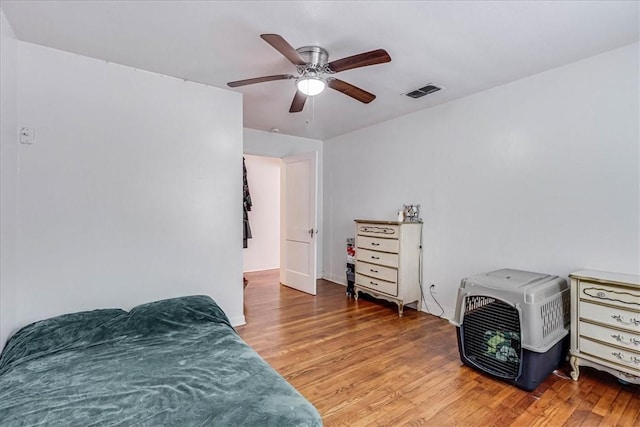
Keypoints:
(634, 341)
(620, 356)
(633, 321)
(375, 257)
(373, 283)
(618, 337)
(373, 271)
(375, 244)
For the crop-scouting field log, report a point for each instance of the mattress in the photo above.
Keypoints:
(173, 362)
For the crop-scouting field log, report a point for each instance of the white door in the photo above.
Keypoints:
(298, 222)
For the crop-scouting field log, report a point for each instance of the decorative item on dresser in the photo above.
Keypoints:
(388, 260)
(605, 323)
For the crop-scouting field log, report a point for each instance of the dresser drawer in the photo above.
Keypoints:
(622, 357)
(377, 271)
(610, 316)
(390, 288)
(612, 336)
(626, 298)
(378, 230)
(385, 245)
(382, 258)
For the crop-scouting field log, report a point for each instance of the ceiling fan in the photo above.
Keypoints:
(315, 72)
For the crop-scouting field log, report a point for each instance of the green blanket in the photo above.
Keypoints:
(175, 362)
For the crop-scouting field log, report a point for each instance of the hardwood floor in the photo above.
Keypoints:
(362, 365)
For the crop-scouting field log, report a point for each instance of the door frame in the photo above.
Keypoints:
(267, 148)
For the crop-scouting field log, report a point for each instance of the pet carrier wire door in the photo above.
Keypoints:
(513, 324)
(498, 350)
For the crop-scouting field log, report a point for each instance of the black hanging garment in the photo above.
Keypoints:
(246, 231)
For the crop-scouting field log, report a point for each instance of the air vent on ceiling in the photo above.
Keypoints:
(426, 90)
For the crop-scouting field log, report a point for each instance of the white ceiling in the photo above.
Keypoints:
(466, 47)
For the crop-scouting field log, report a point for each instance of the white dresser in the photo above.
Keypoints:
(388, 260)
(605, 323)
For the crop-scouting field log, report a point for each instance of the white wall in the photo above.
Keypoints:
(270, 144)
(541, 174)
(8, 176)
(263, 177)
(128, 194)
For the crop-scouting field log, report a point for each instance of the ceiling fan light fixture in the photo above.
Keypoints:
(311, 85)
(315, 71)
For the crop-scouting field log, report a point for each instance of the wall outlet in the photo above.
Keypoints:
(27, 136)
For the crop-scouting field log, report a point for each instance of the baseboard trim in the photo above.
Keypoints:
(238, 321)
(336, 279)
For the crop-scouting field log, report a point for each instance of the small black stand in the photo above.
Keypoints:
(351, 279)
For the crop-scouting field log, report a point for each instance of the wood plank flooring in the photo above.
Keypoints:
(362, 365)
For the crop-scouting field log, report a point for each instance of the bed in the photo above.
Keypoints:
(175, 362)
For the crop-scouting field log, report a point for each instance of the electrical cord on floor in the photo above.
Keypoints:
(426, 307)
(424, 301)
(420, 284)
(422, 298)
(434, 298)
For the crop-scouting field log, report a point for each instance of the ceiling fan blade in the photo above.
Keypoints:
(361, 60)
(298, 102)
(351, 90)
(282, 46)
(260, 80)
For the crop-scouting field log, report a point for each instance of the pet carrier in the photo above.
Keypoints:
(513, 324)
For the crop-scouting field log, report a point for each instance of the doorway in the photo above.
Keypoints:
(283, 218)
(263, 249)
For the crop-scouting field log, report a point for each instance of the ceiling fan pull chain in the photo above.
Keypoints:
(310, 120)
